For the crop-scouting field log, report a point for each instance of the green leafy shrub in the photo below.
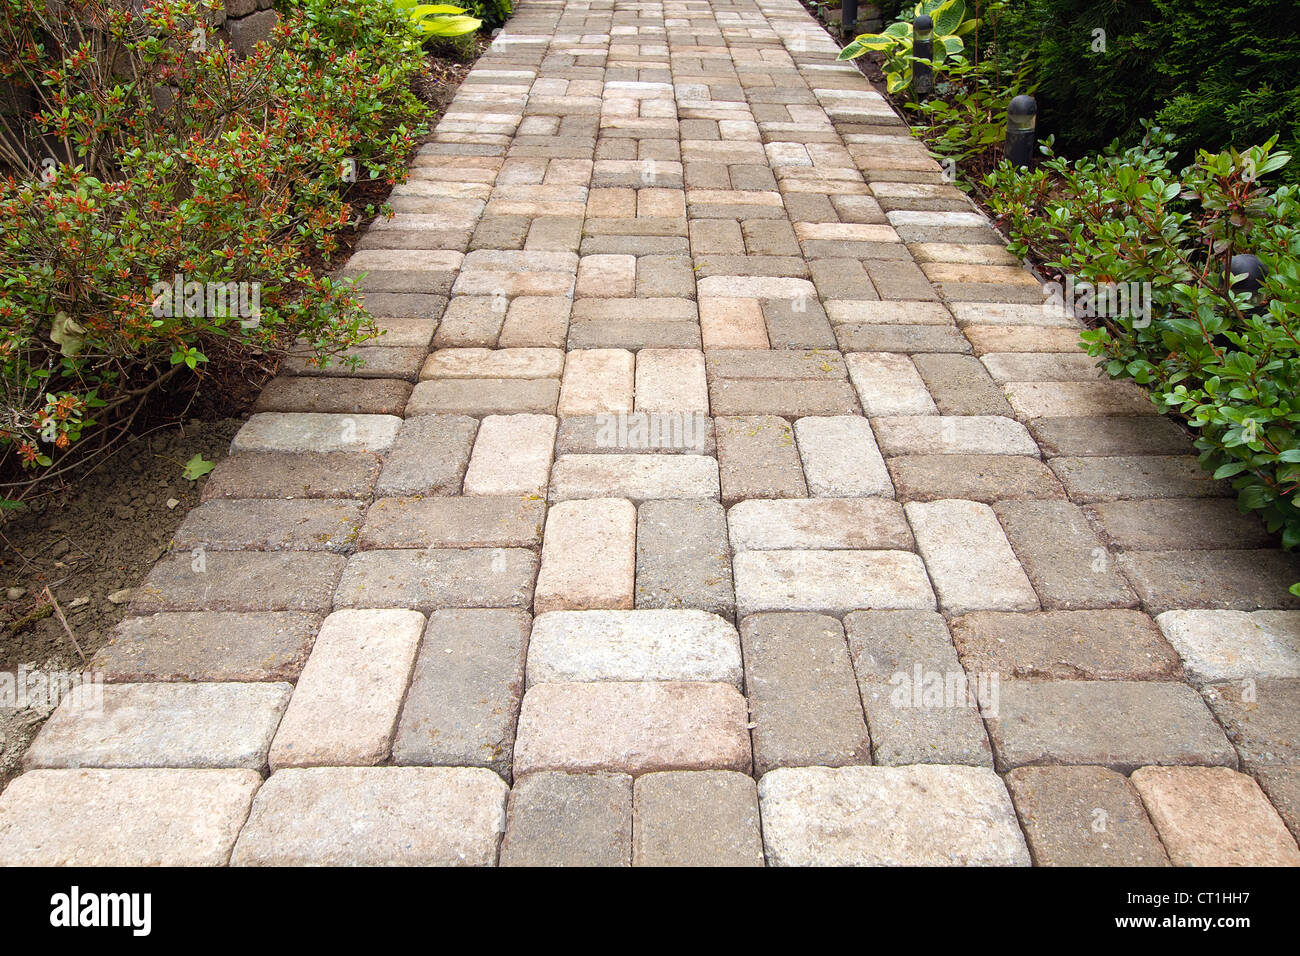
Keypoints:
(493, 13)
(1226, 362)
(141, 157)
(1213, 73)
(896, 43)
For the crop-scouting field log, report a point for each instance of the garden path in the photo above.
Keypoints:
(715, 455)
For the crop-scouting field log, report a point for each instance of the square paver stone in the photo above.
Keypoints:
(569, 819)
(1262, 718)
(696, 818)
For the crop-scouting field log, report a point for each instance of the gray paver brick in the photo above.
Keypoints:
(758, 458)
(696, 818)
(1083, 816)
(569, 819)
(1118, 724)
(803, 701)
(463, 701)
(900, 657)
(683, 558)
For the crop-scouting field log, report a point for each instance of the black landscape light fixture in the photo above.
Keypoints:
(922, 49)
(848, 19)
(1022, 120)
(1249, 266)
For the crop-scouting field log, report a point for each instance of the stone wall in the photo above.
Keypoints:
(246, 22)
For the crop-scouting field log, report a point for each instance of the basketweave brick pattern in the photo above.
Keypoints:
(720, 492)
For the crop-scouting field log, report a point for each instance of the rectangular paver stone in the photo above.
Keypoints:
(889, 384)
(1213, 816)
(270, 524)
(314, 432)
(632, 727)
(146, 817)
(840, 458)
(201, 580)
(339, 474)
(832, 581)
(1065, 645)
(889, 816)
(1083, 816)
(921, 706)
(640, 645)
(588, 556)
(803, 700)
(635, 477)
(345, 705)
(512, 455)
(161, 725)
(461, 707)
(209, 646)
(1065, 560)
(513, 522)
(429, 456)
(683, 559)
(968, 558)
(434, 578)
(1118, 724)
(821, 524)
(375, 816)
(952, 435)
(1234, 645)
(758, 458)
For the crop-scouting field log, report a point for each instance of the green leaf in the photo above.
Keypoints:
(948, 16)
(1230, 469)
(197, 467)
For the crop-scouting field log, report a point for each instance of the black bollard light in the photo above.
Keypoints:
(922, 49)
(1022, 119)
(1250, 267)
(848, 19)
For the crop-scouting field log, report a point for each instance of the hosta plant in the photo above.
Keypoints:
(438, 19)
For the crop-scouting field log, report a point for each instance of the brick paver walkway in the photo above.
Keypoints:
(715, 456)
